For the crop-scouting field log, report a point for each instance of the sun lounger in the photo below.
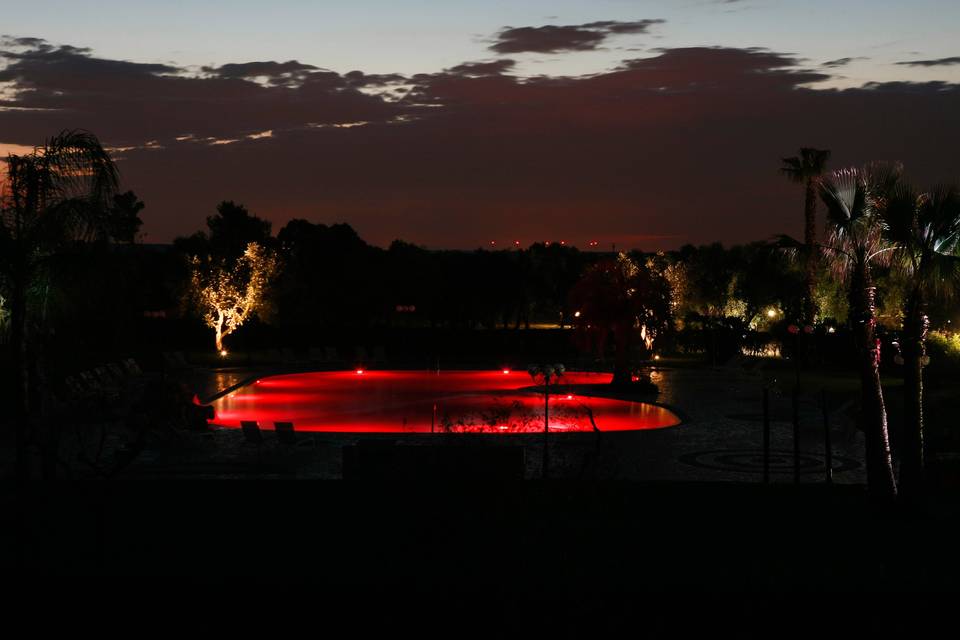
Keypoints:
(286, 435)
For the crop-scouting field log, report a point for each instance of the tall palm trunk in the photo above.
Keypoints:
(915, 327)
(880, 480)
(810, 266)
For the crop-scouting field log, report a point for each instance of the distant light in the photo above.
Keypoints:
(223, 353)
(771, 313)
(506, 371)
(493, 243)
(831, 329)
(656, 357)
(576, 314)
(563, 242)
(516, 243)
(569, 397)
(359, 372)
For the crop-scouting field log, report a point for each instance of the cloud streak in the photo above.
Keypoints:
(555, 38)
(939, 62)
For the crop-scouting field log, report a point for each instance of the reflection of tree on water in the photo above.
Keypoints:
(513, 415)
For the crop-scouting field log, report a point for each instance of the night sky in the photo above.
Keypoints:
(451, 124)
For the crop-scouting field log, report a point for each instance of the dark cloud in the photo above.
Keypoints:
(612, 26)
(13, 41)
(290, 72)
(497, 67)
(554, 38)
(839, 62)
(939, 62)
(129, 102)
(359, 79)
(906, 88)
(680, 147)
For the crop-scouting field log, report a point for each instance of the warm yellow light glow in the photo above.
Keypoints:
(656, 357)
(223, 352)
(771, 313)
(576, 314)
(229, 294)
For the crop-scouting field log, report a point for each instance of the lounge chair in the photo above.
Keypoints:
(251, 431)
(286, 435)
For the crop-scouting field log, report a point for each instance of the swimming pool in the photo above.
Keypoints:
(424, 401)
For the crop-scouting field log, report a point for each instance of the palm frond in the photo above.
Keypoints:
(939, 219)
(941, 275)
(793, 169)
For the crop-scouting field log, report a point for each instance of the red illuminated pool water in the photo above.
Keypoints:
(421, 402)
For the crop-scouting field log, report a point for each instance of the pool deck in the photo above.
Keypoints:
(720, 439)
(674, 509)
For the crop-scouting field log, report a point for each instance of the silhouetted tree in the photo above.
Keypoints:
(765, 278)
(710, 272)
(57, 195)
(124, 217)
(926, 229)
(806, 169)
(331, 277)
(234, 228)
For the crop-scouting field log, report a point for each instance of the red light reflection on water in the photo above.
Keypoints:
(418, 402)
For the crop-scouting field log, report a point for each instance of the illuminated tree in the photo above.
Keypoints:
(806, 169)
(53, 197)
(227, 293)
(856, 243)
(926, 228)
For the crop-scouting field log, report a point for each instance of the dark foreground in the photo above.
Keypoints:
(567, 539)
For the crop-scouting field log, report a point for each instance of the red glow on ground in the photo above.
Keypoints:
(419, 401)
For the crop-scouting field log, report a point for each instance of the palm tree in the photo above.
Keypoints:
(855, 244)
(58, 194)
(806, 169)
(926, 228)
